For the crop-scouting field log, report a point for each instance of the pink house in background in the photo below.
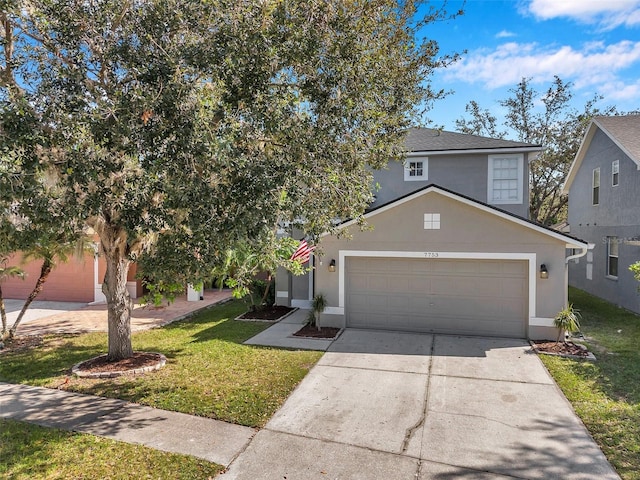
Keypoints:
(77, 280)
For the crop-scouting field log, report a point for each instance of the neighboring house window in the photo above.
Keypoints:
(505, 180)
(595, 184)
(432, 221)
(615, 173)
(612, 257)
(415, 170)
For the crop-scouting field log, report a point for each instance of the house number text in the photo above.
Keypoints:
(430, 254)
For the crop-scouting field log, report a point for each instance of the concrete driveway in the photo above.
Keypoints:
(38, 309)
(386, 405)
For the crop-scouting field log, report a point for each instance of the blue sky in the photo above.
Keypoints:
(595, 44)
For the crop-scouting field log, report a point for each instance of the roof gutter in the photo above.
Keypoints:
(422, 153)
(583, 252)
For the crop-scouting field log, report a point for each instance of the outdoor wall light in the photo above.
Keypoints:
(544, 273)
(332, 265)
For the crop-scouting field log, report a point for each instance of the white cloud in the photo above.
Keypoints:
(618, 91)
(593, 64)
(505, 34)
(607, 13)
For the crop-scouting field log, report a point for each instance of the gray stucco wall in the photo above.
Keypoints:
(466, 174)
(616, 215)
(464, 229)
(622, 291)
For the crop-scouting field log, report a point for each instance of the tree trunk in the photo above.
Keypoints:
(266, 290)
(45, 270)
(119, 304)
(3, 315)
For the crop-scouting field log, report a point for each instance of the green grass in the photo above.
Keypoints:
(606, 394)
(33, 452)
(208, 372)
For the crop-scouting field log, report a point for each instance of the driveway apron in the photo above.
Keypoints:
(416, 406)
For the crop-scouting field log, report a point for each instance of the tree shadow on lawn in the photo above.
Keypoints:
(32, 453)
(54, 358)
(232, 331)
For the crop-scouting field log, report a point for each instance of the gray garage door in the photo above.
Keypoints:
(469, 297)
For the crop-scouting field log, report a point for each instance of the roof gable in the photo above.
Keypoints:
(429, 140)
(571, 242)
(623, 130)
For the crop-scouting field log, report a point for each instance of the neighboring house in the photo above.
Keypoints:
(604, 208)
(77, 280)
(451, 249)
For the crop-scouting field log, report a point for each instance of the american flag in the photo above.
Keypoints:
(302, 252)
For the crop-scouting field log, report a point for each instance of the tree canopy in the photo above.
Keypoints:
(543, 118)
(173, 128)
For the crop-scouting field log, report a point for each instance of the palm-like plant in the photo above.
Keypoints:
(318, 305)
(567, 320)
(50, 252)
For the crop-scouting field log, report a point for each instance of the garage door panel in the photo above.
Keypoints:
(448, 296)
(378, 284)
(420, 267)
(399, 302)
(511, 307)
(516, 288)
(357, 282)
(516, 269)
(364, 302)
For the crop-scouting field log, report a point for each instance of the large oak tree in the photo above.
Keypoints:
(544, 118)
(175, 127)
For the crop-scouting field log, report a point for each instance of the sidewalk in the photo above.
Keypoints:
(93, 318)
(211, 440)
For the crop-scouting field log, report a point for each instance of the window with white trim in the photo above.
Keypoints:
(615, 173)
(415, 170)
(612, 257)
(504, 185)
(432, 221)
(595, 186)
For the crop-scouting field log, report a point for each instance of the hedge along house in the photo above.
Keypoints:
(445, 261)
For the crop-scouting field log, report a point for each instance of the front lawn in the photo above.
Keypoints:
(606, 394)
(208, 373)
(32, 452)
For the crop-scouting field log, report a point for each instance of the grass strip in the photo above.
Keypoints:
(208, 373)
(606, 394)
(33, 452)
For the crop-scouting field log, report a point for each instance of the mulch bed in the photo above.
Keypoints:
(560, 348)
(139, 360)
(273, 313)
(312, 332)
(18, 344)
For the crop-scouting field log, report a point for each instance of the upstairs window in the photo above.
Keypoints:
(595, 184)
(615, 173)
(415, 170)
(504, 185)
(612, 257)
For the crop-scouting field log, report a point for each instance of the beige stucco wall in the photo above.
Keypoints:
(464, 228)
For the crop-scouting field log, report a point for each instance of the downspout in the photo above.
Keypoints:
(583, 252)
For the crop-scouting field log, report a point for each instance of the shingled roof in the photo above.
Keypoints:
(623, 130)
(432, 140)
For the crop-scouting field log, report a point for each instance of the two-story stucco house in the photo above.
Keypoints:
(451, 249)
(604, 208)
